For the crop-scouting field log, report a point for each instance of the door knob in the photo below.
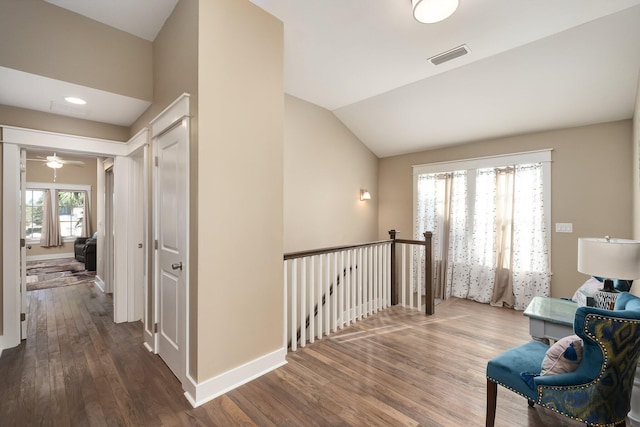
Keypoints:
(177, 266)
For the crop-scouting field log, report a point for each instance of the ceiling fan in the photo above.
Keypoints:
(55, 162)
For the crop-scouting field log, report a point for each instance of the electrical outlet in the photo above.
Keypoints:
(564, 227)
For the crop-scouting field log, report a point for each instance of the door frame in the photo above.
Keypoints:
(14, 139)
(176, 114)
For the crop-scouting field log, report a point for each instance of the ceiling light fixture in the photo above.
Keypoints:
(74, 100)
(432, 11)
(54, 164)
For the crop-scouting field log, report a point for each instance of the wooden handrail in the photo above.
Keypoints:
(302, 254)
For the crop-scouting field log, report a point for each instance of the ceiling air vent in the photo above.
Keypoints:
(454, 53)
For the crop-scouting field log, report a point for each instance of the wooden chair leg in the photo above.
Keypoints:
(492, 392)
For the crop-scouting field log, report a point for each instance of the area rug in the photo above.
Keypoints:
(55, 273)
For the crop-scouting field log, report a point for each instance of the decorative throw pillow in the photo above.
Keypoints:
(562, 357)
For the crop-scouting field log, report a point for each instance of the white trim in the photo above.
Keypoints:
(100, 283)
(177, 113)
(51, 256)
(170, 115)
(139, 140)
(10, 245)
(121, 256)
(539, 156)
(57, 186)
(200, 393)
(78, 144)
(13, 139)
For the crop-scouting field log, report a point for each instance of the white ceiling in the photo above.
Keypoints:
(533, 65)
(142, 18)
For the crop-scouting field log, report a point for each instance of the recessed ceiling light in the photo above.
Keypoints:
(74, 100)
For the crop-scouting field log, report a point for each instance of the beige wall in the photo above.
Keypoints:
(325, 166)
(240, 195)
(591, 177)
(86, 175)
(175, 71)
(30, 119)
(40, 38)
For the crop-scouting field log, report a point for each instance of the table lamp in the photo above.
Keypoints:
(610, 259)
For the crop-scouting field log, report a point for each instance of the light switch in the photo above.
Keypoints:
(564, 227)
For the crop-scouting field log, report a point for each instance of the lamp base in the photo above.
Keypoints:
(606, 297)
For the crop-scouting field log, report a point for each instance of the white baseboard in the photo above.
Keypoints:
(100, 283)
(199, 393)
(51, 256)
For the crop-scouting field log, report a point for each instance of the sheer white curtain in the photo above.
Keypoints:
(489, 233)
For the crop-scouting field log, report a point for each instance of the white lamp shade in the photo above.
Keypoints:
(432, 11)
(609, 258)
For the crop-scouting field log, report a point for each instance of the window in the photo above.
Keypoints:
(33, 221)
(70, 213)
(68, 201)
(490, 219)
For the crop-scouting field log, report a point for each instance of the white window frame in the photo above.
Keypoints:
(528, 157)
(59, 187)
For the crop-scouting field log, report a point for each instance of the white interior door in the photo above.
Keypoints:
(23, 249)
(171, 205)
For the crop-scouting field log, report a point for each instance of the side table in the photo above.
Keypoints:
(550, 318)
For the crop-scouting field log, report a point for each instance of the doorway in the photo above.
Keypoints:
(14, 140)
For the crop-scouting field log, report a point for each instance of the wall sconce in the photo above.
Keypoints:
(365, 195)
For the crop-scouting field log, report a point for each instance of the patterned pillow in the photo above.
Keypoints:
(562, 357)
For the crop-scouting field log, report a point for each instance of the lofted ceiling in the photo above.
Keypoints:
(531, 66)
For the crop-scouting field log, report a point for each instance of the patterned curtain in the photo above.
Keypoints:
(490, 247)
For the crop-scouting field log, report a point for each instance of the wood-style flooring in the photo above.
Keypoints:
(397, 368)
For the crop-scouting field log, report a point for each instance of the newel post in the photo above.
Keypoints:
(429, 304)
(394, 287)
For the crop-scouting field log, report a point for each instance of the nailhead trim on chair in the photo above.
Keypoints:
(508, 388)
(605, 363)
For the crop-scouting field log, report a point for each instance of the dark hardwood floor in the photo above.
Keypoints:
(397, 368)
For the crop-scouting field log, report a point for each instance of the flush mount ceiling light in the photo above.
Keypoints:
(74, 100)
(432, 11)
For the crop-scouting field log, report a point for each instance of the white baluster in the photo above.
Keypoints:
(327, 297)
(286, 303)
(294, 303)
(360, 275)
(341, 298)
(354, 285)
(411, 276)
(312, 288)
(334, 303)
(370, 280)
(303, 303)
(404, 275)
(319, 287)
(347, 288)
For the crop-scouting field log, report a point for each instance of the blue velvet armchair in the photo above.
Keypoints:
(598, 393)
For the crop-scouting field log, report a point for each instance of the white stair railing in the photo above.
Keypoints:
(328, 289)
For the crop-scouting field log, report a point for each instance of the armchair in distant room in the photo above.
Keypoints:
(85, 251)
